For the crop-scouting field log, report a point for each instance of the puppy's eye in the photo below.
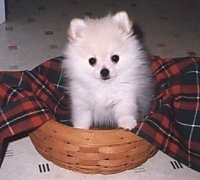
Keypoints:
(92, 61)
(115, 58)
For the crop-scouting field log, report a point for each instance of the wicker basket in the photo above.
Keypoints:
(91, 151)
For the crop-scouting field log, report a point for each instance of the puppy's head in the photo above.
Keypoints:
(101, 48)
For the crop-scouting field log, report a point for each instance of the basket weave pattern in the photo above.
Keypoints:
(91, 151)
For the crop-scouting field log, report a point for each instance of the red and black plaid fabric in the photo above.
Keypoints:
(173, 122)
(30, 98)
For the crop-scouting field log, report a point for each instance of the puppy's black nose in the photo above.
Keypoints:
(105, 73)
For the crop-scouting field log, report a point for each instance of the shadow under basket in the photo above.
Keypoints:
(91, 151)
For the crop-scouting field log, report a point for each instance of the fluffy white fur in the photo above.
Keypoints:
(124, 96)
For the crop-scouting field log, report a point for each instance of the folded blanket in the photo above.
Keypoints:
(30, 98)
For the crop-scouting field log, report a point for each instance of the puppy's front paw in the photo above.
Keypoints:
(81, 126)
(127, 122)
(84, 124)
(81, 119)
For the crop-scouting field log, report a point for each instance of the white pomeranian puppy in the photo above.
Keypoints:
(109, 75)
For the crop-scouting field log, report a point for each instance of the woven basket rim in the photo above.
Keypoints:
(60, 125)
(100, 135)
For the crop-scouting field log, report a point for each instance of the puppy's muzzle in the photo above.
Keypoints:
(105, 74)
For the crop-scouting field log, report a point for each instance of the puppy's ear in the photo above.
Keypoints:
(123, 21)
(76, 28)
